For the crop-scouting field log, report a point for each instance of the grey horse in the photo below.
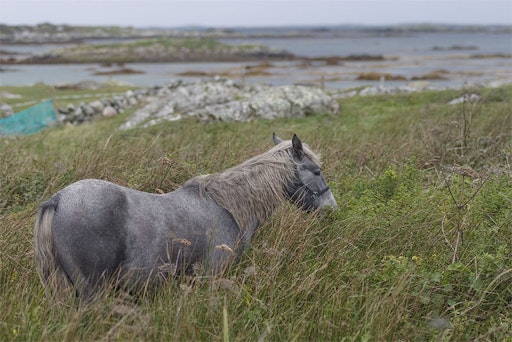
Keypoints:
(94, 231)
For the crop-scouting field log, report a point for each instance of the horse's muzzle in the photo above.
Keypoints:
(327, 200)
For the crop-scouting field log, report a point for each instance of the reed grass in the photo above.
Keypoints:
(379, 268)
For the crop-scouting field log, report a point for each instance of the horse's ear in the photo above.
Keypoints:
(297, 147)
(276, 139)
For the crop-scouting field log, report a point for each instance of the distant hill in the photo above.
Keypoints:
(52, 33)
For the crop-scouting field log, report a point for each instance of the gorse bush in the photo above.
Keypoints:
(381, 267)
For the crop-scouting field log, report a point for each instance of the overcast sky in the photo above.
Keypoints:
(214, 13)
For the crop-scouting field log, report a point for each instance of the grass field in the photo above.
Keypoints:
(26, 97)
(419, 249)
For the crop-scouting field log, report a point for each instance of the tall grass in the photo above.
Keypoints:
(379, 268)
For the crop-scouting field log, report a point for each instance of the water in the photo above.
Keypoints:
(402, 45)
(411, 55)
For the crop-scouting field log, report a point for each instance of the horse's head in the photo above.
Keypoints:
(309, 190)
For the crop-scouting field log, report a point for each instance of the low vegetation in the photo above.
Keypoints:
(154, 50)
(20, 98)
(420, 248)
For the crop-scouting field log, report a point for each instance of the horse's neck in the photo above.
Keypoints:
(250, 192)
(247, 207)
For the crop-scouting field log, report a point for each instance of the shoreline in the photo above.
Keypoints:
(343, 75)
(443, 60)
(262, 57)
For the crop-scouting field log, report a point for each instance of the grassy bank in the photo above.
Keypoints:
(390, 264)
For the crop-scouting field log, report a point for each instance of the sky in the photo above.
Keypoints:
(250, 13)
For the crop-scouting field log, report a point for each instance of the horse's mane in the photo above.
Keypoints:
(253, 189)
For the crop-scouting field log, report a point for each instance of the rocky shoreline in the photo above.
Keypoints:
(159, 50)
(175, 51)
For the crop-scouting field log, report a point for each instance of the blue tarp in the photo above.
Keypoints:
(30, 120)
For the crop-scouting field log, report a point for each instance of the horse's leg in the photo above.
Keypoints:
(220, 254)
(85, 290)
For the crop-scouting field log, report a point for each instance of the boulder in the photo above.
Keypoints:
(97, 105)
(5, 110)
(109, 111)
(471, 98)
(132, 101)
(88, 110)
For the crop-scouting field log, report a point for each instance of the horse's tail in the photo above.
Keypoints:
(53, 276)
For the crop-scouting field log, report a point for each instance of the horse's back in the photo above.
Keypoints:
(101, 227)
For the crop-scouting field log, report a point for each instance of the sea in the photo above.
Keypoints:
(458, 58)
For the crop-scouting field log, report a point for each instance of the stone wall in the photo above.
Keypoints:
(207, 100)
(224, 100)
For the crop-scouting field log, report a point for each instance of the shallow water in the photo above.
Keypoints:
(411, 55)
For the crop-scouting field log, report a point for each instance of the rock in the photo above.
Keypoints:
(63, 110)
(440, 323)
(369, 91)
(280, 102)
(109, 111)
(97, 106)
(498, 83)
(345, 94)
(117, 83)
(78, 113)
(88, 110)
(207, 100)
(471, 98)
(7, 95)
(132, 101)
(225, 100)
(83, 85)
(411, 87)
(5, 110)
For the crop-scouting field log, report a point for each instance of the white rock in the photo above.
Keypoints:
(109, 111)
(97, 105)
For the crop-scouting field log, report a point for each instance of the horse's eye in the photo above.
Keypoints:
(317, 172)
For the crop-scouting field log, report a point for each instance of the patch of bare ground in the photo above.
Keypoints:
(193, 73)
(491, 55)
(339, 60)
(432, 76)
(246, 71)
(377, 76)
(258, 69)
(468, 73)
(122, 71)
(257, 73)
(455, 48)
